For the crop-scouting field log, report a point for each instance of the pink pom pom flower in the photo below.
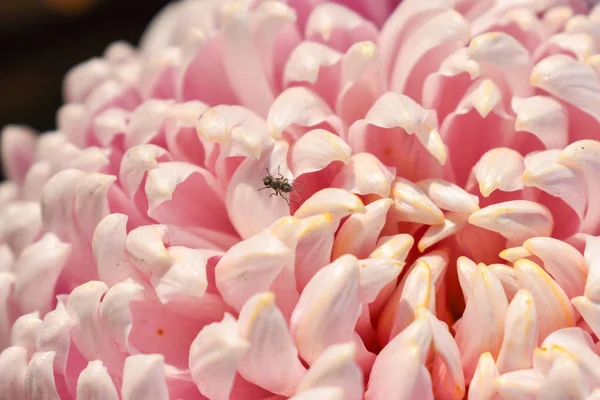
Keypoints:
(313, 200)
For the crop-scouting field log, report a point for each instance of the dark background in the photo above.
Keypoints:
(40, 40)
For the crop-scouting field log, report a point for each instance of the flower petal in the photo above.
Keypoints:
(520, 334)
(250, 267)
(239, 131)
(522, 384)
(37, 271)
(375, 274)
(337, 202)
(543, 171)
(384, 132)
(338, 26)
(500, 168)
(552, 304)
(316, 149)
(453, 222)
(313, 324)
(214, 356)
(322, 393)
(516, 220)
(271, 345)
(18, 147)
(144, 378)
(241, 60)
(336, 367)
(482, 385)
(94, 382)
(564, 381)
(313, 250)
(485, 310)
(13, 364)
(569, 80)
(40, 377)
(365, 174)
(562, 261)
(54, 336)
(359, 233)
(428, 44)
(545, 118)
(412, 205)
(449, 196)
(299, 107)
(583, 156)
(398, 371)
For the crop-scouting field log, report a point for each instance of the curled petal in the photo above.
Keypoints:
(498, 51)
(543, 172)
(482, 385)
(18, 146)
(238, 130)
(449, 196)
(94, 382)
(467, 270)
(545, 118)
(336, 368)
(313, 250)
(144, 378)
(338, 26)
(108, 247)
(13, 364)
(411, 204)
(317, 149)
(214, 356)
(522, 384)
(569, 80)
(40, 377)
(314, 324)
(337, 202)
(447, 373)
(358, 234)
(583, 156)
(6, 292)
(564, 381)
(418, 292)
(411, 381)
(20, 224)
(589, 310)
(500, 168)
(516, 220)
(562, 261)
(552, 304)
(251, 266)
(485, 310)
(520, 333)
(301, 107)
(365, 174)
(182, 194)
(507, 277)
(308, 61)
(376, 273)
(264, 327)
(54, 335)
(36, 272)
(136, 161)
(441, 35)
(25, 330)
(453, 222)
(146, 121)
(395, 247)
(91, 202)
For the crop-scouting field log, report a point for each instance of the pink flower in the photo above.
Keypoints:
(443, 235)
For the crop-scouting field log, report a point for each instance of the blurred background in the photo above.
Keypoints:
(41, 39)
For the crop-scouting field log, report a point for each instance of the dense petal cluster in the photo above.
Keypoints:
(442, 238)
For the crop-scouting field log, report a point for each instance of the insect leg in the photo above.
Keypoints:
(279, 172)
(286, 200)
(266, 187)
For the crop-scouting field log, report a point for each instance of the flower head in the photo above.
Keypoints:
(438, 235)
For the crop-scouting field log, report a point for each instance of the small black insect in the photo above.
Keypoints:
(280, 185)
